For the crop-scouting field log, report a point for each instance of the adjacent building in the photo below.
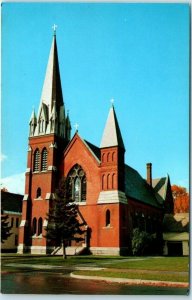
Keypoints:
(176, 234)
(11, 205)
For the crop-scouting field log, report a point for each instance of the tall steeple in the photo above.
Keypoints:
(48, 136)
(52, 90)
(51, 113)
(112, 135)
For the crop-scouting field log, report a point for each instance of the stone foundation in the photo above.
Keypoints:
(109, 251)
(43, 250)
(21, 249)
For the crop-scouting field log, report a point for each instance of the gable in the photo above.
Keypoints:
(81, 152)
(44, 112)
(159, 186)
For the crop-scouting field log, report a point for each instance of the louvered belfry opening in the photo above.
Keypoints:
(44, 160)
(36, 160)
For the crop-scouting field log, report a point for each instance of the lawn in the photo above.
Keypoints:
(57, 260)
(161, 264)
(151, 268)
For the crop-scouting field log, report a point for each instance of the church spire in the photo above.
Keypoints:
(112, 134)
(51, 113)
(52, 90)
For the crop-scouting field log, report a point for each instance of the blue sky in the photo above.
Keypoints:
(137, 54)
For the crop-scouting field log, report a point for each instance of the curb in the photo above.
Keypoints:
(133, 281)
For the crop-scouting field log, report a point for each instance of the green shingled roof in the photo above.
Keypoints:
(137, 188)
(94, 149)
(11, 202)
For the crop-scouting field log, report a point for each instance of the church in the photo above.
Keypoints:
(112, 197)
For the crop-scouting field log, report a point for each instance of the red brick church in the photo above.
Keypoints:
(112, 197)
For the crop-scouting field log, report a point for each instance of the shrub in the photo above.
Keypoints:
(144, 243)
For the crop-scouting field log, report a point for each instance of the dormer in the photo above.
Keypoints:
(43, 119)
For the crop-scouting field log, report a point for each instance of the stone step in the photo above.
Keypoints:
(73, 250)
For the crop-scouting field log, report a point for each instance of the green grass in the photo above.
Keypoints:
(56, 260)
(148, 268)
(161, 264)
(136, 275)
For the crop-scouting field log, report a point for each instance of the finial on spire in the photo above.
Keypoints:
(112, 101)
(33, 111)
(54, 27)
(76, 126)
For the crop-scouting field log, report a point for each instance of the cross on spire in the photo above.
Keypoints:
(76, 126)
(112, 101)
(54, 27)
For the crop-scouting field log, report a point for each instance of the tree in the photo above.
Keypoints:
(140, 241)
(63, 222)
(181, 199)
(5, 228)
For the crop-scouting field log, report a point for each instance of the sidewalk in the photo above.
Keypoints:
(134, 281)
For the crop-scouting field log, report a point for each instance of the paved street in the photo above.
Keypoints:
(28, 281)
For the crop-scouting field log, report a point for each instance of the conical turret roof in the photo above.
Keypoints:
(33, 118)
(112, 134)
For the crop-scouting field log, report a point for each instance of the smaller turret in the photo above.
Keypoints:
(32, 123)
(112, 154)
(68, 128)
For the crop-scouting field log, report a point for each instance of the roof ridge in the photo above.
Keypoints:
(86, 143)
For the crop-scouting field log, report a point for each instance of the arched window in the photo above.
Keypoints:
(113, 181)
(38, 194)
(108, 179)
(44, 160)
(108, 156)
(103, 157)
(103, 182)
(113, 156)
(83, 189)
(77, 189)
(76, 184)
(70, 188)
(34, 228)
(108, 218)
(40, 225)
(36, 160)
